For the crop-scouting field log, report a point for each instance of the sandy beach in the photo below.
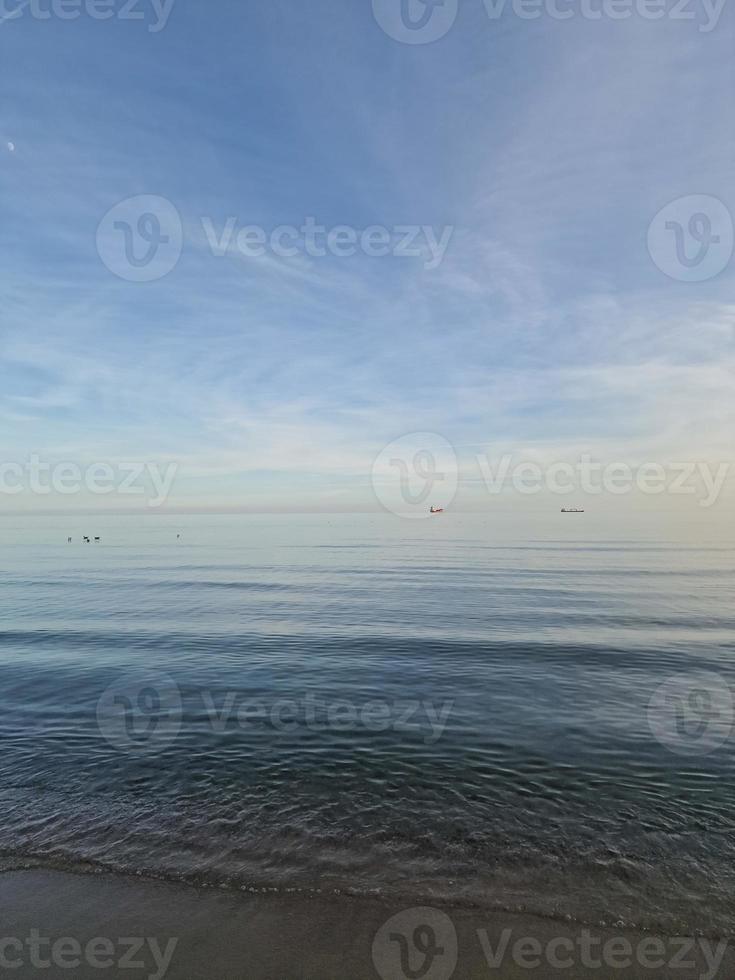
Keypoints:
(82, 926)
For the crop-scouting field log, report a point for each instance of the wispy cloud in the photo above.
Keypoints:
(548, 148)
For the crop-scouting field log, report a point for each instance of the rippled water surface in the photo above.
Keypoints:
(442, 708)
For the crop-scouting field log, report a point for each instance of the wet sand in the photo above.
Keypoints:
(87, 926)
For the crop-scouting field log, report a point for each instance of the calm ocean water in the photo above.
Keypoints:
(449, 709)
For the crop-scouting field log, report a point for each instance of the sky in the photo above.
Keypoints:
(546, 313)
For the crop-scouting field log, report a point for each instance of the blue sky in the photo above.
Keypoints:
(547, 330)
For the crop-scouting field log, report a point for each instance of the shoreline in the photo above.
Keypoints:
(437, 893)
(187, 932)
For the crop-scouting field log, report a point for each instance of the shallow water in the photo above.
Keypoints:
(444, 708)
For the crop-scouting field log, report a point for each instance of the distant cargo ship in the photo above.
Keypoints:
(572, 510)
(436, 510)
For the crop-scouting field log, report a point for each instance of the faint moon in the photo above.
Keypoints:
(11, 147)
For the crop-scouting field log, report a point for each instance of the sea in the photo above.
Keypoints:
(534, 716)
